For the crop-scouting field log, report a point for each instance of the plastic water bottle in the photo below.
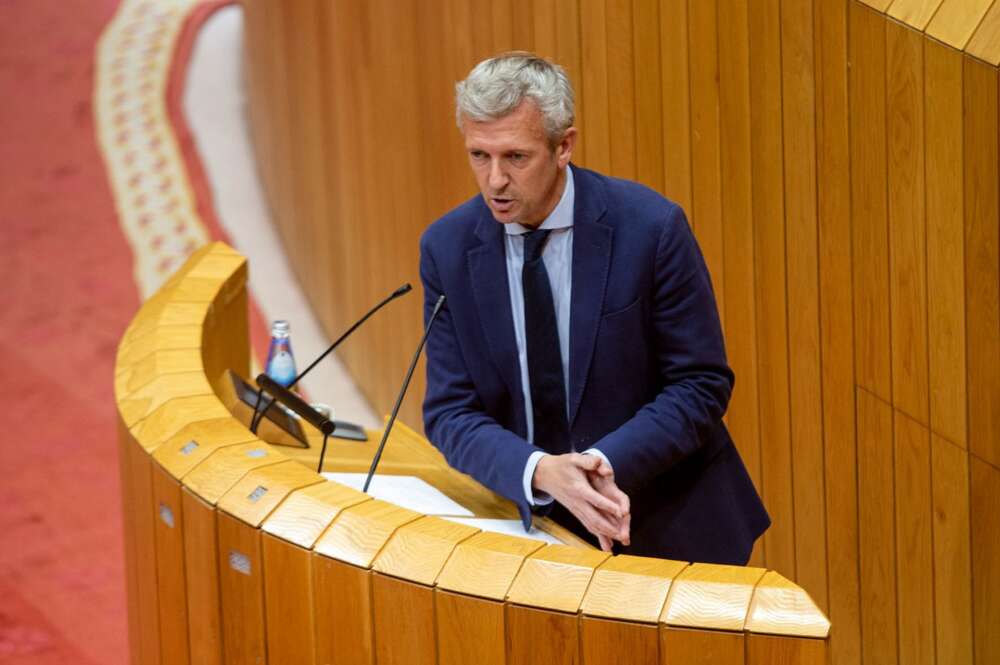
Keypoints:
(280, 361)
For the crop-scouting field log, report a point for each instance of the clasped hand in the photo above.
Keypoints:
(585, 485)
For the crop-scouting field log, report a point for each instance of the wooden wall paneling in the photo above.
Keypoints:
(544, 29)
(985, 41)
(343, 609)
(618, 642)
(171, 579)
(914, 542)
(771, 307)
(982, 260)
(914, 13)
(621, 87)
(706, 204)
(140, 470)
(837, 328)
(648, 103)
(738, 233)
(469, 629)
(798, 95)
(674, 68)
(956, 20)
(241, 587)
(684, 646)
(569, 54)
(877, 533)
(952, 557)
(288, 602)
(771, 649)
(905, 140)
(593, 104)
(405, 631)
(502, 14)
(985, 506)
(523, 31)
(129, 544)
(541, 637)
(201, 565)
(868, 196)
(879, 5)
(945, 241)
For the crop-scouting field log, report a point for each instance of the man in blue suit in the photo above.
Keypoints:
(578, 366)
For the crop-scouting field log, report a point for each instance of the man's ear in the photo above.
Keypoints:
(564, 149)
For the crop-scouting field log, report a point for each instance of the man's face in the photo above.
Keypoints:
(520, 173)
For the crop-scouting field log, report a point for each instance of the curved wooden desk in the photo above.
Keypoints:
(238, 552)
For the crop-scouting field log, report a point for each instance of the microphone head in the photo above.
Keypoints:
(405, 288)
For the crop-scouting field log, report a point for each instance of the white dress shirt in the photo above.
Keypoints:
(558, 257)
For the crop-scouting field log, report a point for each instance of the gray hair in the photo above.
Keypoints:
(498, 85)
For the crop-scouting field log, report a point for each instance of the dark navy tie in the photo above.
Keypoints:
(545, 371)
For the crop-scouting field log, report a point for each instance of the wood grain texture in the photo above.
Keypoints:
(621, 87)
(682, 646)
(211, 479)
(417, 551)
(307, 512)
(711, 596)
(984, 508)
(485, 564)
(945, 241)
(469, 629)
(159, 392)
(985, 41)
(541, 637)
(171, 580)
(631, 588)
(161, 339)
(770, 650)
(618, 642)
(555, 577)
(201, 564)
(405, 632)
(359, 532)
(178, 457)
(952, 557)
(260, 491)
(342, 603)
(144, 546)
(648, 96)
(879, 614)
(956, 20)
(288, 601)
(241, 592)
(675, 71)
(180, 410)
(784, 608)
(128, 536)
(914, 13)
(914, 542)
(982, 260)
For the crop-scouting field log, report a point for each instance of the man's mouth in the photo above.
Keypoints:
(502, 204)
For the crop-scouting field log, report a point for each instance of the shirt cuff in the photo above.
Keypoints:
(597, 453)
(534, 498)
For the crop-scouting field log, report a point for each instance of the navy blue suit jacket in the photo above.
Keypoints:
(648, 379)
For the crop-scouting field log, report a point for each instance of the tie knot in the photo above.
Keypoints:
(534, 243)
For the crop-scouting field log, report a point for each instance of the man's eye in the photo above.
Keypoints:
(518, 157)
(476, 154)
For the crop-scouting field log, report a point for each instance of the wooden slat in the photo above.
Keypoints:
(143, 514)
(569, 55)
(359, 532)
(618, 642)
(801, 252)
(171, 581)
(343, 608)
(782, 607)
(226, 466)
(952, 563)
(982, 260)
(555, 577)
(914, 13)
(907, 228)
(288, 602)
(125, 440)
(621, 88)
(417, 551)
(631, 588)
(985, 42)
(956, 20)
(914, 545)
(769, 247)
(711, 596)
(260, 491)
(700, 647)
(403, 615)
(878, 547)
(306, 513)
(201, 564)
(985, 506)
(676, 101)
(596, 125)
(833, 171)
(648, 95)
(241, 586)
(194, 443)
(469, 629)
(945, 241)
(485, 564)
(540, 637)
(170, 418)
(868, 187)
(767, 649)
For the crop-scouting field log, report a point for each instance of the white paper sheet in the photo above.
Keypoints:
(406, 491)
(508, 527)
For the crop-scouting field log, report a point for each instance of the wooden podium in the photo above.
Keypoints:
(239, 552)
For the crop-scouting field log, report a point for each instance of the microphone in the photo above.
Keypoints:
(402, 392)
(258, 414)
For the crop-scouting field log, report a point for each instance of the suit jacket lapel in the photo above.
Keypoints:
(488, 277)
(591, 262)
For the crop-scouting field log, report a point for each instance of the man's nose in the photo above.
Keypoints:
(498, 177)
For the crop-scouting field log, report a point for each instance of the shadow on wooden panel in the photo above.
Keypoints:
(538, 637)
(618, 642)
(288, 602)
(201, 562)
(682, 646)
(404, 622)
(469, 630)
(342, 606)
(171, 580)
(242, 590)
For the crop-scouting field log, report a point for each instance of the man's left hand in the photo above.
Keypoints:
(602, 479)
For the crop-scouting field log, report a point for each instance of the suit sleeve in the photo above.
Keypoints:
(691, 359)
(454, 417)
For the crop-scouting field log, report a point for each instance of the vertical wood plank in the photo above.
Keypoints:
(538, 637)
(403, 615)
(706, 212)
(982, 260)
(569, 54)
(676, 102)
(469, 630)
(945, 241)
(952, 558)
(769, 246)
(288, 603)
(914, 544)
(241, 587)
(878, 547)
(618, 642)
(833, 170)
(171, 581)
(201, 562)
(907, 227)
(985, 506)
(125, 440)
(868, 195)
(648, 104)
(143, 514)
(596, 130)
(737, 219)
(801, 251)
(343, 608)
(680, 646)
(546, 26)
(775, 650)
(621, 88)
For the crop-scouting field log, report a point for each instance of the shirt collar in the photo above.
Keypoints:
(561, 216)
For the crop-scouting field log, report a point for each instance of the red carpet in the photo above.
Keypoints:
(67, 294)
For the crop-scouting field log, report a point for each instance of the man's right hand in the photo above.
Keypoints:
(567, 478)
